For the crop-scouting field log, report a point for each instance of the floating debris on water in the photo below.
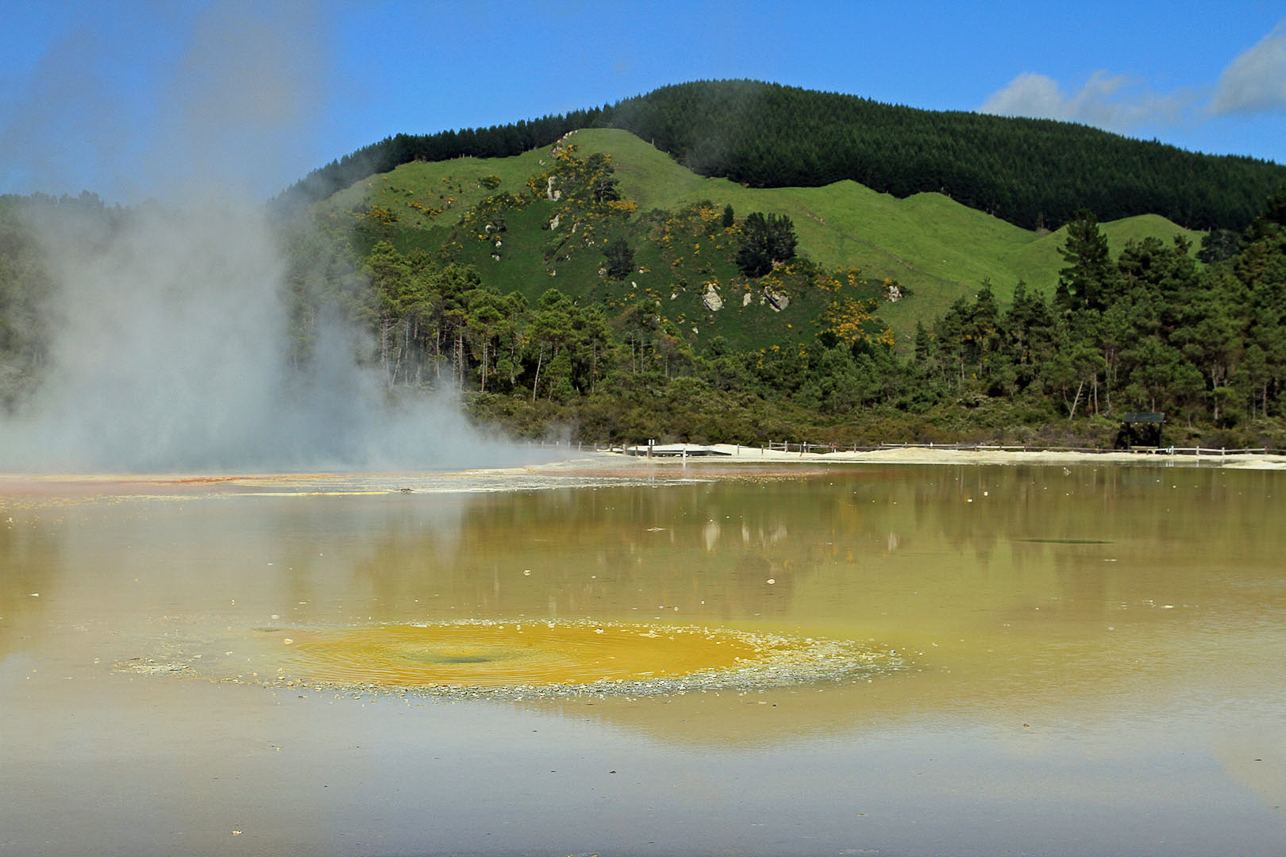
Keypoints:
(147, 666)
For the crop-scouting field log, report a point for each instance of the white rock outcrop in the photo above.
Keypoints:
(711, 299)
(777, 300)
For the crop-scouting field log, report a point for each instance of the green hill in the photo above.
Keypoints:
(934, 248)
(1032, 173)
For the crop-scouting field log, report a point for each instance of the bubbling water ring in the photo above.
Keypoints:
(550, 659)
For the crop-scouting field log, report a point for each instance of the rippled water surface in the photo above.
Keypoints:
(869, 659)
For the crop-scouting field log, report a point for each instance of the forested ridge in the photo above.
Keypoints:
(1032, 173)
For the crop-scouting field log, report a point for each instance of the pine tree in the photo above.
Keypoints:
(765, 241)
(620, 259)
(1087, 278)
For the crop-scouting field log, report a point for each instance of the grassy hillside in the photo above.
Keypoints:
(936, 249)
(1029, 172)
(1038, 261)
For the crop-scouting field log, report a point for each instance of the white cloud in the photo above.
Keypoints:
(1256, 80)
(1112, 101)
(1034, 95)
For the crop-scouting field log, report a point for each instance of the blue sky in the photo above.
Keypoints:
(138, 99)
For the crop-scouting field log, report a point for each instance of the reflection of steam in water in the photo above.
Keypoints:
(517, 660)
(30, 557)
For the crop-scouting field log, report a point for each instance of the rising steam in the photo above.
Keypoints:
(169, 332)
(169, 352)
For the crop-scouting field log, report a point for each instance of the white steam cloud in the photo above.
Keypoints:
(170, 354)
(169, 346)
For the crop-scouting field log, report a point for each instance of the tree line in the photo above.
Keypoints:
(1145, 329)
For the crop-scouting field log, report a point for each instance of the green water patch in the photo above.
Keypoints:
(1068, 541)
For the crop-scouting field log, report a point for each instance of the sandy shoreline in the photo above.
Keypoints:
(585, 466)
(672, 455)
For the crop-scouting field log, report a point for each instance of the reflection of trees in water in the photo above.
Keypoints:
(1108, 536)
(729, 549)
(725, 549)
(710, 549)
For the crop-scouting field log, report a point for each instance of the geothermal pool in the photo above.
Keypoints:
(910, 660)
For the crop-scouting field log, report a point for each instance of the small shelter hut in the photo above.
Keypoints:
(1141, 429)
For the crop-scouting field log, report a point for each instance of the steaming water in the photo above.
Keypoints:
(169, 352)
(1090, 662)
